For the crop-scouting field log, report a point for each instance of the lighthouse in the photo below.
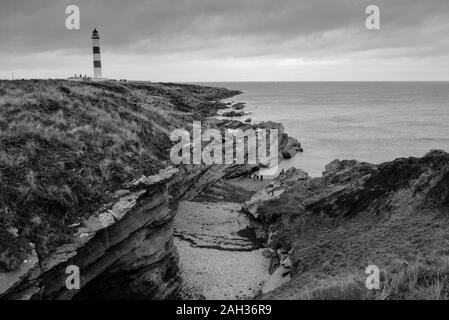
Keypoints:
(96, 51)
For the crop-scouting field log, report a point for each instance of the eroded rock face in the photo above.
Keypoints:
(274, 190)
(124, 251)
(354, 215)
(288, 147)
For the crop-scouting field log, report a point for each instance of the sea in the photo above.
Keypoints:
(367, 121)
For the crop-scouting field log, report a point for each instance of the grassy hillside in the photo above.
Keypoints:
(66, 146)
(393, 215)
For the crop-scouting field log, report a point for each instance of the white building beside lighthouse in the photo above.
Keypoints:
(98, 75)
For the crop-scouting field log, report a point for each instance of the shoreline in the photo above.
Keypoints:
(220, 255)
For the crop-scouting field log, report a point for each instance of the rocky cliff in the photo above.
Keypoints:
(124, 250)
(67, 154)
(324, 232)
(68, 151)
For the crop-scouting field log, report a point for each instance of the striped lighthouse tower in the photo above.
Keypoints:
(96, 52)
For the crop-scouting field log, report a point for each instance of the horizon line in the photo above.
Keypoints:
(239, 81)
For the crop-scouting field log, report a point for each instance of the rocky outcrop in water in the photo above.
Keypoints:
(288, 146)
(234, 114)
(238, 106)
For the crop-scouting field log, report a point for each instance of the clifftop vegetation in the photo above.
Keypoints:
(392, 215)
(66, 146)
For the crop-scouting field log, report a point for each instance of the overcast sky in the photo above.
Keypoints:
(228, 40)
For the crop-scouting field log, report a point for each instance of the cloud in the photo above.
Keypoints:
(217, 30)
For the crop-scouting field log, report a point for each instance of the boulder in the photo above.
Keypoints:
(238, 106)
(233, 114)
(290, 147)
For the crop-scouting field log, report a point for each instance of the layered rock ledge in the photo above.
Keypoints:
(129, 240)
